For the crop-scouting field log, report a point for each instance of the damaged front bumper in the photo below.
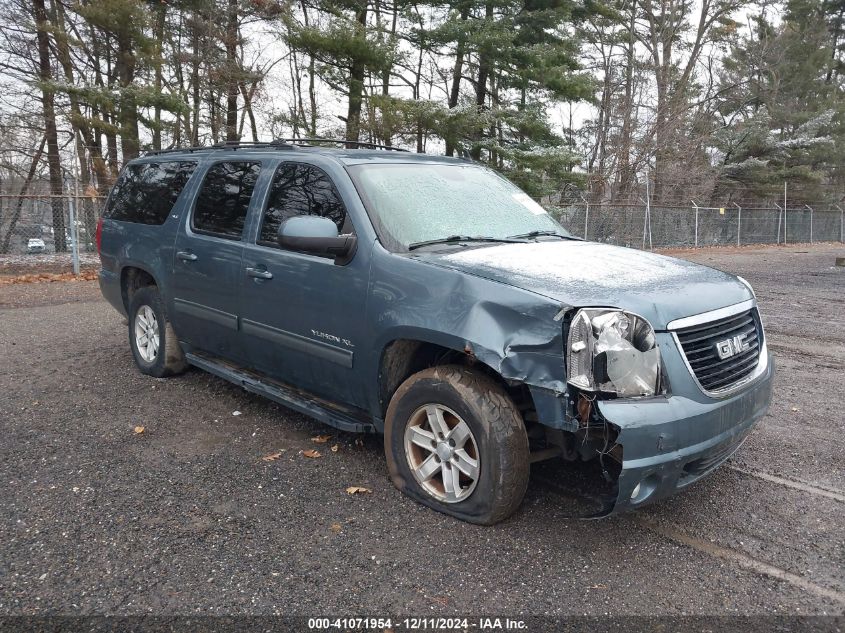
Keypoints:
(672, 441)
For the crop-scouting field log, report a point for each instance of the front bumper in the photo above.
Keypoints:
(670, 442)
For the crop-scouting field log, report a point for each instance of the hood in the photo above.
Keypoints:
(582, 274)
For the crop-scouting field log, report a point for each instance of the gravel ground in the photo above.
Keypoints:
(186, 517)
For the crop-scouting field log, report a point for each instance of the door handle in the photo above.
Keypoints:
(186, 256)
(259, 273)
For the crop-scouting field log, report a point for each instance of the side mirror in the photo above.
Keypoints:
(316, 236)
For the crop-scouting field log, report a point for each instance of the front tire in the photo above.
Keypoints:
(154, 345)
(456, 442)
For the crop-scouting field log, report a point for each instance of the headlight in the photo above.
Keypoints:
(614, 352)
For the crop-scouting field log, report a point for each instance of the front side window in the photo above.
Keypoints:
(146, 192)
(223, 199)
(300, 189)
(411, 203)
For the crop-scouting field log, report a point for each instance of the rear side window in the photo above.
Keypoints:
(223, 199)
(146, 192)
(299, 189)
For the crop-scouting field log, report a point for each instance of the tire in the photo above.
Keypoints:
(498, 444)
(146, 313)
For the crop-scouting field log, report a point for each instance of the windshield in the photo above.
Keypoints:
(413, 203)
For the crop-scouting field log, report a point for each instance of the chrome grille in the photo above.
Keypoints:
(699, 343)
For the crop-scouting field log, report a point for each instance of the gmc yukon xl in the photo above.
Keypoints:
(430, 300)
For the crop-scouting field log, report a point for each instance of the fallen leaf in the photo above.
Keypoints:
(355, 490)
(335, 448)
(321, 439)
(86, 275)
(311, 453)
(272, 457)
(336, 528)
(139, 429)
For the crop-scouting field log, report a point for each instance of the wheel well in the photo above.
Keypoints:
(403, 357)
(131, 279)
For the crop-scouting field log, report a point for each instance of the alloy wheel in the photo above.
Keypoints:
(442, 453)
(147, 333)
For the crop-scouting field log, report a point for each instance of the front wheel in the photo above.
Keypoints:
(456, 442)
(151, 338)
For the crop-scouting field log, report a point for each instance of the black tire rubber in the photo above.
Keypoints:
(498, 429)
(170, 359)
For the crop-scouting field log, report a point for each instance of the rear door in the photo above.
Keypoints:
(207, 265)
(303, 315)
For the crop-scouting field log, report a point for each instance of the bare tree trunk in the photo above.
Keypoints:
(356, 89)
(312, 96)
(385, 80)
(232, 71)
(183, 120)
(624, 158)
(13, 221)
(312, 93)
(195, 86)
(481, 83)
(45, 76)
(296, 79)
(457, 71)
(79, 124)
(212, 115)
(158, 38)
(127, 109)
(106, 113)
(248, 95)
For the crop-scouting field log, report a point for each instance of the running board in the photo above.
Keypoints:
(302, 402)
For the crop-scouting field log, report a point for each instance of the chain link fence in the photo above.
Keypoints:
(42, 231)
(646, 226)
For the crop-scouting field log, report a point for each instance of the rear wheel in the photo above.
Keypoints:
(151, 338)
(456, 442)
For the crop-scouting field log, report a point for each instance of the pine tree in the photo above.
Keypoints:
(346, 46)
(786, 114)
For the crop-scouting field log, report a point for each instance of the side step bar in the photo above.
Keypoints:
(291, 398)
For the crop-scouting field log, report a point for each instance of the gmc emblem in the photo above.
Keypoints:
(732, 346)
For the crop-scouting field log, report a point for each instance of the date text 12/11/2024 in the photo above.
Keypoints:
(418, 624)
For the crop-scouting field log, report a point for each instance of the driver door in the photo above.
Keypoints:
(302, 314)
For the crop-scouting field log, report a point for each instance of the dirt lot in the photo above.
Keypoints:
(186, 517)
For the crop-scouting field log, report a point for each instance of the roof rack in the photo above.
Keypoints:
(302, 141)
(275, 144)
(281, 143)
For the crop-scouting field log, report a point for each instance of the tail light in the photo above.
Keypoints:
(99, 235)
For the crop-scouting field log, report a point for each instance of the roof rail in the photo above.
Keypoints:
(281, 143)
(365, 144)
(176, 150)
(275, 144)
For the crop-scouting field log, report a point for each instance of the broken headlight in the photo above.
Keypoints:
(613, 352)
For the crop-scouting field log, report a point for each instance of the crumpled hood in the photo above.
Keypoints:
(580, 274)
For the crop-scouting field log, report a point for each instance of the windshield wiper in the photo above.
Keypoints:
(463, 238)
(542, 234)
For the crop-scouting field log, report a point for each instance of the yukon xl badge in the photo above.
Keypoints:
(732, 346)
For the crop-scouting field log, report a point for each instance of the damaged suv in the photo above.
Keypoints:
(431, 300)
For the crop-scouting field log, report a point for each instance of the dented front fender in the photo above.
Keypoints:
(516, 332)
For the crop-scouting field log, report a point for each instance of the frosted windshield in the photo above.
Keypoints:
(410, 203)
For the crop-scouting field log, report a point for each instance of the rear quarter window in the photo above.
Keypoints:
(146, 192)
